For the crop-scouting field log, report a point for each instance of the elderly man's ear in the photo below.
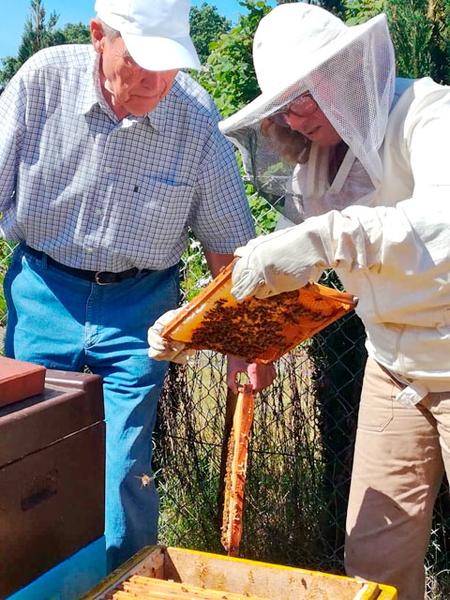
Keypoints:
(97, 35)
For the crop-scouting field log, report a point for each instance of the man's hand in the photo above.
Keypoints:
(163, 349)
(260, 376)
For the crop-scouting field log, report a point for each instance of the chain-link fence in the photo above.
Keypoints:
(300, 451)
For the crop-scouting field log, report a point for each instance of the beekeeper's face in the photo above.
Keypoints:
(304, 115)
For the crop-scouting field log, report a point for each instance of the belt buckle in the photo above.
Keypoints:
(97, 279)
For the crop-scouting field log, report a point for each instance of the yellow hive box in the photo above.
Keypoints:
(158, 573)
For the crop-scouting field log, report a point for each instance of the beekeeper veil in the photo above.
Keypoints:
(348, 70)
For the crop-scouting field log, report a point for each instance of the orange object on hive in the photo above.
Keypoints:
(19, 380)
(260, 330)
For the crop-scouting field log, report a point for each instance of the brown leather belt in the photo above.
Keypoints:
(99, 277)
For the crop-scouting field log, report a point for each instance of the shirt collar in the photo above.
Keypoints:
(91, 93)
(88, 96)
(159, 117)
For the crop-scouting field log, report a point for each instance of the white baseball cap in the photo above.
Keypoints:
(155, 32)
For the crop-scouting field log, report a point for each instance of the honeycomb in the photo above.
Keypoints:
(259, 330)
(236, 471)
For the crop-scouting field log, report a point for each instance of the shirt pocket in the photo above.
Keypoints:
(376, 409)
(377, 416)
(157, 207)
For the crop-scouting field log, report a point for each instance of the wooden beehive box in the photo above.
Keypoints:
(158, 572)
(52, 449)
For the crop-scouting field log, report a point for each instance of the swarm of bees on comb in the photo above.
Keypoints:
(259, 330)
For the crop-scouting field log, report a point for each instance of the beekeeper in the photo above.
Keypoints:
(361, 162)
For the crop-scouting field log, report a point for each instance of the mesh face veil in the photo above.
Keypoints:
(348, 71)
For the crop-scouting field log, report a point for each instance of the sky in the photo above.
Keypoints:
(73, 11)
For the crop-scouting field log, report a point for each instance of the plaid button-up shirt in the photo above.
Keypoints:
(97, 193)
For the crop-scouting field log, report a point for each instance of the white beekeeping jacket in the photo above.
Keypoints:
(384, 222)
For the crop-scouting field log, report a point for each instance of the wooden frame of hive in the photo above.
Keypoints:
(260, 330)
(204, 576)
(236, 471)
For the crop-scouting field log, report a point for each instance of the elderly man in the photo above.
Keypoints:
(108, 155)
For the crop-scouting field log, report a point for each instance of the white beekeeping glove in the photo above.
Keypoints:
(163, 349)
(279, 262)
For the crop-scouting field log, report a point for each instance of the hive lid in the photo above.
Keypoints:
(19, 380)
(259, 330)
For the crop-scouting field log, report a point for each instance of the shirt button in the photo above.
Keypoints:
(108, 169)
(89, 250)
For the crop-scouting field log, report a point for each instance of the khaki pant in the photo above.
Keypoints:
(399, 461)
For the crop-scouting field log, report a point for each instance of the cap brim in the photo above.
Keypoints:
(161, 54)
(267, 103)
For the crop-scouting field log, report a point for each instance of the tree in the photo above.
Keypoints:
(206, 26)
(419, 30)
(40, 33)
(359, 11)
(439, 16)
(37, 34)
(72, 33)
(10, 66)
(229, 75)
(420, 33)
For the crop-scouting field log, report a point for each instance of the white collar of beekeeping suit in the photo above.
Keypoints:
(349, 71)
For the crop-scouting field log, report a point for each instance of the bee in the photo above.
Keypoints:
(144, 479)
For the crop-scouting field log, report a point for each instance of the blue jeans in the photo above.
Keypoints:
(67, 323)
